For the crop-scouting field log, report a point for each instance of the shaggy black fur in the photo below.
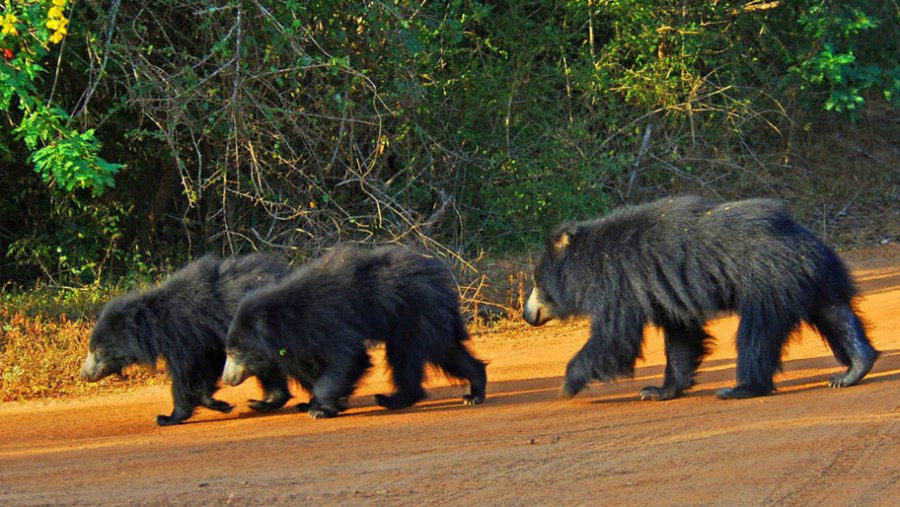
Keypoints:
(676, 262)
(185, 321)
(314, 327)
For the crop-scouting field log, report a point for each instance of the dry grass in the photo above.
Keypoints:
(494, 298)
(41, 356)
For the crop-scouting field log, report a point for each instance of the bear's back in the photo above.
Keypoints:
(240, 275)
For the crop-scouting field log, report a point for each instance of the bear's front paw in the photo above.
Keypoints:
(471, 399)
(399, 400)
(220, 406)
(321, 413)
(340, 405)
(165, 420)
(567, 391)
(390, 402)
(658, 393)
(739, 392)
(263, 405)
(272, 402)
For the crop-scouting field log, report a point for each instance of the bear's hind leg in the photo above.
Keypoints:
(846, 336)
(458, 362)
(760, 339)
(408, 370)
(685, 348)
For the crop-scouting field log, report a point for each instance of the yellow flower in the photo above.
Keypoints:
(9, 24)
(60, 32)
(56, 21)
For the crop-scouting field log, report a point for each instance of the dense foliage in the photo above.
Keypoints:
(459, 125)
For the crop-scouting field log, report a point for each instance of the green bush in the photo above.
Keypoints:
(61, 153)
(461, 126)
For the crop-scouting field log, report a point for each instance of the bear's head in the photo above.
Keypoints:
(119, 339)
(549, 298)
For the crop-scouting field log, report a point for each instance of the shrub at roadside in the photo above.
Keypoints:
(42, 348)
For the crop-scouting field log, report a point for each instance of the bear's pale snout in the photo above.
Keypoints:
(92, 369)
(536, 312)
(234, 372)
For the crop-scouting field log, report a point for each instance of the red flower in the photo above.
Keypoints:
(7, 53)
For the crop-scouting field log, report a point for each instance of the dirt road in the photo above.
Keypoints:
(805, 445)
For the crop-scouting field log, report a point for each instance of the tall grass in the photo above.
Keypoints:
(44, 337)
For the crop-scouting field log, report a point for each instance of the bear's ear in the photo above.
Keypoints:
(560, 241)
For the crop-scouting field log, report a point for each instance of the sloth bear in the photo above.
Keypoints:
(185, 321)
(314, 326)
(675, 263)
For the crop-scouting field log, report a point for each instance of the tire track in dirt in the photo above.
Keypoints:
(871, 440)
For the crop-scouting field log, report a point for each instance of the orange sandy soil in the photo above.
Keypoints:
(805, 445)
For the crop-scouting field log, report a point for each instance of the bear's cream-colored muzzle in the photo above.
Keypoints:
(92, 370)
(536, 312)
(234, 373)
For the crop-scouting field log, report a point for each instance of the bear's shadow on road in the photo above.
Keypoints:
(721, 372)
(712, 375)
